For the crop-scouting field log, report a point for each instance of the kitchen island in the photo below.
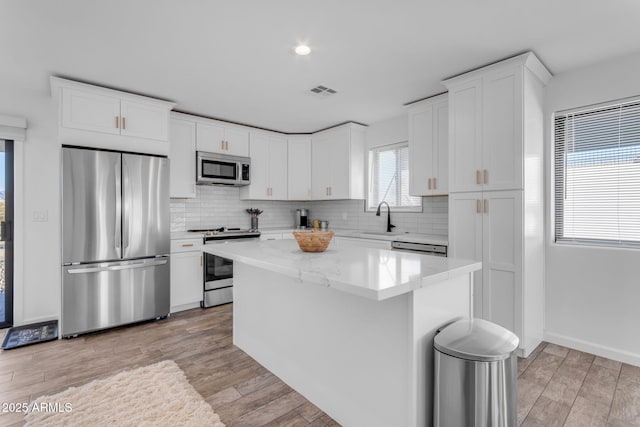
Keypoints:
(352, 328)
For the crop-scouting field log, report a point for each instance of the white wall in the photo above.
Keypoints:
(37, 290)
(388, 131)
(592, 294)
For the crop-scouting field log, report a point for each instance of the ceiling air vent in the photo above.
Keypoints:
(322, 91)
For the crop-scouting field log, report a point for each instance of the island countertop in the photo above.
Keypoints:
(377, 274)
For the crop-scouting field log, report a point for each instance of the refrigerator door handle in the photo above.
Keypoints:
(117, 267)
(118, 219)
(126, 209)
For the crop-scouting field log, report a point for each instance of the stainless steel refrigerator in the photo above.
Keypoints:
(115, 239)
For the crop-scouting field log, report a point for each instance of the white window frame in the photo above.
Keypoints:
(370, 177)
(554, 196)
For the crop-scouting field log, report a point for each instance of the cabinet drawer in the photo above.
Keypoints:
(185, 245)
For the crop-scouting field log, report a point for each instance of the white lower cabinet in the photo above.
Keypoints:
(491, 227)
(186, 274)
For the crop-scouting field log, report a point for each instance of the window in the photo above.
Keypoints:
(597, 174)
(389, 178)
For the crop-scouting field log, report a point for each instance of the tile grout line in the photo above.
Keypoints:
(534, 403)
(613, 398)
(578, 393)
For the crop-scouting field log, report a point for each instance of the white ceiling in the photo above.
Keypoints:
(232, 59)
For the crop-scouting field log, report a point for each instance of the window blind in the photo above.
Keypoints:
(389, 177)
(597, 174)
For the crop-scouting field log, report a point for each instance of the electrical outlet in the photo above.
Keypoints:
(40, 216)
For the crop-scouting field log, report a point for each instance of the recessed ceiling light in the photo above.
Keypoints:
(302, 49)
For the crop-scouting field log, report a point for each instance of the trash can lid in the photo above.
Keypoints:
(476, 339)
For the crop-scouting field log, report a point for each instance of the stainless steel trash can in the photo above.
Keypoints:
(475, 375)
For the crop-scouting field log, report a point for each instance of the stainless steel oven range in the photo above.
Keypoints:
(218, 271)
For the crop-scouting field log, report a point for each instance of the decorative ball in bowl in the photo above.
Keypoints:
(313, 241)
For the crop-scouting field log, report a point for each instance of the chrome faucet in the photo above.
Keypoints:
(389, 225)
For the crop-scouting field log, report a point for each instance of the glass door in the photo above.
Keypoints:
(6, 233)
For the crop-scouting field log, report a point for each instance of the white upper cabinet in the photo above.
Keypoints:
(215, 137)
(182, 157)
(428, 147)
(95, 109)
(143, 120)
(90, 111)
(299, 168)
(486, 122)
(268, 168)
(337, 163)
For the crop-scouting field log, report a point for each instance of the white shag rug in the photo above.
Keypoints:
(154, 395)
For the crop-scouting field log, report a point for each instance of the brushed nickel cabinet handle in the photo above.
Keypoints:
(478, 176)
(226, 145)
(434, 183)
(117, 122)
(429, 184)
(478, 206)
(124, 123)
(485, 176)
(222, 145)
(486, 206)
(186, 245)
(200, 260)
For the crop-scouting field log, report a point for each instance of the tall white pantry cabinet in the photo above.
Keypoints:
(496, 190)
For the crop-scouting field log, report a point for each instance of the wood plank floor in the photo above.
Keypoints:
(556, 386)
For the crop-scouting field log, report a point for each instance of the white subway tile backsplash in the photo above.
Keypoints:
(221, 206)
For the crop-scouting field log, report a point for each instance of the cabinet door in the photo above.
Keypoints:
(210, 137)
(182, 155)
(259, 187)
(142, 120)
(186, 279)
(502, 144)
(236, 142)
(90, 111)
(278, 168)
(502, 258)
(441, 149)
(321, 158)
(421, 133)
(465, 237)
(465, 144)
(339, 164)
(299, 169)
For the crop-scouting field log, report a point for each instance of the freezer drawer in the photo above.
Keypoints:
(103, 295)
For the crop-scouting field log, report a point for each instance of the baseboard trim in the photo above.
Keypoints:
(597, 349)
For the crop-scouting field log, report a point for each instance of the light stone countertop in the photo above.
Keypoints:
(431, 239)
(372, 273)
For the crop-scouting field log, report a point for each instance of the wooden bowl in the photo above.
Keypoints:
(313, 241)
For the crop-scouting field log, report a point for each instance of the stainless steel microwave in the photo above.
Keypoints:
(222, 169)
